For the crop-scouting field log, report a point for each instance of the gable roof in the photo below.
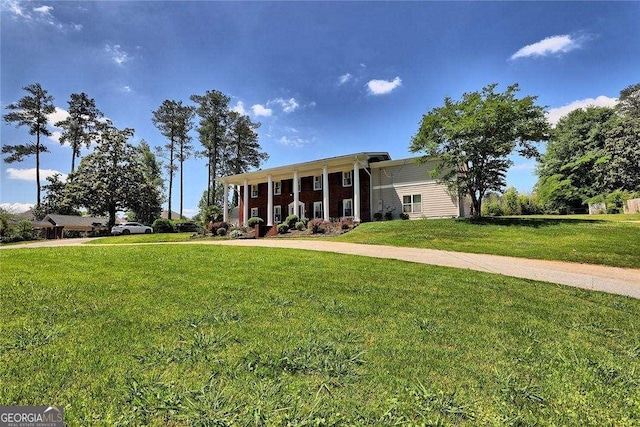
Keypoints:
(74, 222)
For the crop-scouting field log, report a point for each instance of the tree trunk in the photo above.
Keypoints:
(181, 179)
(112, 215)
(38, 166)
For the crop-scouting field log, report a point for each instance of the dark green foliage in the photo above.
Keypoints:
(404, 215)
(80, 128)
(388, 216)
(221, 231)
(283, 228)
(299, 225)
(161, 225)
(291, 220)
(151, 188)
(14, 228)
(472, 139)
(253, 221)
(30, 111)
(377, 216)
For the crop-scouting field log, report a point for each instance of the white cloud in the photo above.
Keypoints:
(16, 9)
(40, 14)
(239, 108)
(43, 10)
(126, 89)
(118, 55)
(293, 142)
(57, 116)
(549, 46)
(555, 114)
(261, 111)
(344, 78)
(381, 87)
(16, 208)
(288, 105)
(30, 174)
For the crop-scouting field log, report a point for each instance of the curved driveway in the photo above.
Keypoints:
(622, 281)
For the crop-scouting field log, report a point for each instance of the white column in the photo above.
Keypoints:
(225, 202)
(296, 190)
(325, 193)
(269, 201)
(245, 207)
(356, 192)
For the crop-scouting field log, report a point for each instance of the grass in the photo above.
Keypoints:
(153, 335)
(595, 241)
(145, 238)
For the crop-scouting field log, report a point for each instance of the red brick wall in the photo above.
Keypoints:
(308, 195)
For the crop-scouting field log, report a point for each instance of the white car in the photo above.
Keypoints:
(131, 228)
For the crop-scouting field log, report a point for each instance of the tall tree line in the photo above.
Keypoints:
(592, 153)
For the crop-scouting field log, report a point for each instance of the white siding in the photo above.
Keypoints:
(392, 180)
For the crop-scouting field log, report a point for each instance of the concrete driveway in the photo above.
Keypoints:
(622, 281)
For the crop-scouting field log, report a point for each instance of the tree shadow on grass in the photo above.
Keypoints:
(527, 222)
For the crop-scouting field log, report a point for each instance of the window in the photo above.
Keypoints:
(412, 203)
(254, 191)
(254, 212)
(346, 178)
(347, 207)
(277, 214)
(277, 188)
(317, 210)
(317, 182)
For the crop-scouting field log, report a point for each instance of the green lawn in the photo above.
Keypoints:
(207, 335)
(145, 238)
(606, 240)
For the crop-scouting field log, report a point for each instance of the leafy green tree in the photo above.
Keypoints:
(80, 128)
(149, 206)
(573, 168)
(629, 101)
(55, 199)
(472, 139)
(213, 110)
(30, 111)
(622, 150)
(109, 179)
(510, 202)
(243, 151)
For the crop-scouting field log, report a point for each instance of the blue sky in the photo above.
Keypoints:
(323, 78)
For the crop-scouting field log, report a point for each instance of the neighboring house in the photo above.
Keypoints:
(354, 186)
(55, 226)
(174, 215)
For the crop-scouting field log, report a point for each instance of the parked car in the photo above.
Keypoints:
(131, 228)
(186, 226)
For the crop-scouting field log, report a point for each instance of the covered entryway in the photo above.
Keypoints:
(300, 212)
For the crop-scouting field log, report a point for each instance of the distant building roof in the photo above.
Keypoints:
(78, 223)
(174, 215)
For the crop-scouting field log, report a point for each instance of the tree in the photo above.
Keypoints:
(629, 101)
(109, 179)
(622, 148)
(213, 110)
(472, 138)
(574, 166)
(149, 206)
(174, 121)
(55, 199)
(31, 111)
(242, 148)
(80, 128)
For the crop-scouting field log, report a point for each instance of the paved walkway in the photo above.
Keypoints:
(622, 281)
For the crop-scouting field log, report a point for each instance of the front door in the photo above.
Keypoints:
(300, 212)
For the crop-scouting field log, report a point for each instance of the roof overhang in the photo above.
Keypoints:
(333, 164)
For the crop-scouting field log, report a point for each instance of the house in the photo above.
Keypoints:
(55, 226)
(174, 215)
(355, 186)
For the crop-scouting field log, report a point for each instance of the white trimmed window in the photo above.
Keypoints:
(347, 207)
(254, 212)
(277, 188)
(254, 191)
(317, 210)
(347, 179)
(277, 214)
(317, 182)
(412, 203)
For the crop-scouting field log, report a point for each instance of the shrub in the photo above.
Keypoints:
(162, 226)
(221, 231)
(215, 226)
(304, 220)
(491, 209)
(377, 216)
(404, 215)
(291, 220)
(299, 225)
(235, 234)
(283, 228)
(388, 215)
(253, 221)
(318, 226)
